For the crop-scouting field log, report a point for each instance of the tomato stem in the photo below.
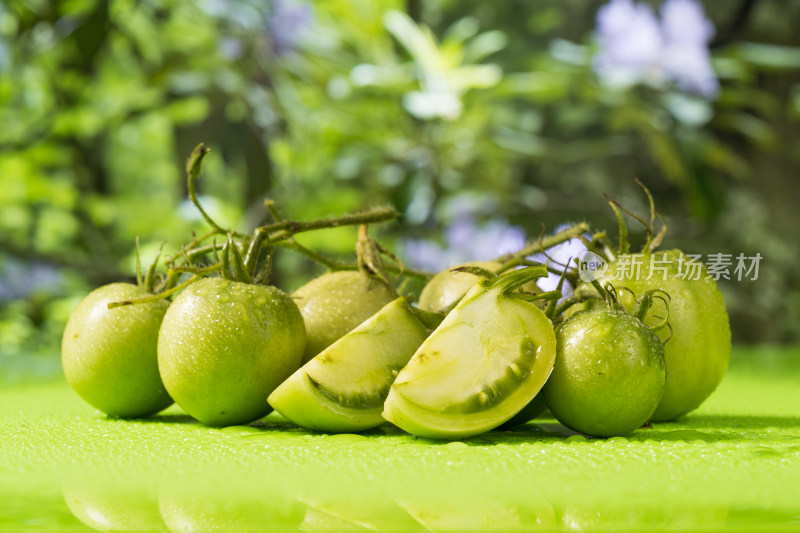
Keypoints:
(150, 276)
(647, 302)
(600, 290)
(285, 229)
(238, 263)
(194, 166)
(369, 256)
(624, 244)
(601, 245)
(550, 312)
(509, 261)
(552, 296)
(225, 264)
(612, 296)
(569, 301)
(653, 239)
(516, 278)
(254, 249)
(199, 274)
(475, 271)
(651, 225)
(656, 242)
(139, 280)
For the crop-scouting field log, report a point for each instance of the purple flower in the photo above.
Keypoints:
(426, 255)
(560, 255)
(465, 241)
(686, 58)
(683, 21)
(630, 37)
(287, 24)
(635, 46)
(20, 279)
(690, 67)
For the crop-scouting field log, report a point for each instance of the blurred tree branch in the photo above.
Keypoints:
(736, 24)
(414, 10)
(100, 270)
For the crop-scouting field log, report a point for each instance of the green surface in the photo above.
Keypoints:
(732, 465)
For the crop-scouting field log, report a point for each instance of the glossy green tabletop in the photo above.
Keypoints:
(732, 465)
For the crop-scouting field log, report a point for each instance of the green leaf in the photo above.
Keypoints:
(484, 45)
(751, 127)
(475, 77)
(188, 110)
(539, 86)
(794, 104)
(768, 56)
(692, 111)
(726, 159)
(461, 30)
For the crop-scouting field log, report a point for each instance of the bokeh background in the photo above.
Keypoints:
(479, 121)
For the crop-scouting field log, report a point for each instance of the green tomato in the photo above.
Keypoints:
(445, 289)
(344, 387)
(699, 348)
(225, 345)
(335, 303)
(609, 373)
(443, 292)
(483, 364)
(109, 355)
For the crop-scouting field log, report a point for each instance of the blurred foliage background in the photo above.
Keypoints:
(497, 113)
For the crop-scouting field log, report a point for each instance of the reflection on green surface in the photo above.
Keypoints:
(197, 503)
(113, 503)
(732, 465)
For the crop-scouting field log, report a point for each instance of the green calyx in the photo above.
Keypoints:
(149, 279)
(236, 268)
(646, 303)
(654, 238)
(610, 295)
(508, 282)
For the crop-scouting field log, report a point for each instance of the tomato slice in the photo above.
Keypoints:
(489, 357)
(344, 387)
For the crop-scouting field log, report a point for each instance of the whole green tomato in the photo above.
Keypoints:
(335, 303)
(609, 373)
(109, 355)
(225, 345)
(699, 346)
(445, 289)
